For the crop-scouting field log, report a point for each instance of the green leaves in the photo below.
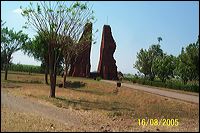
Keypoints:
(188, 63)
(76, 4)
(10, 43)
(38, 9)
(153, 62)
(164, 66)
(159, 39)
(49, 10)
(145, 59)
(84, 7)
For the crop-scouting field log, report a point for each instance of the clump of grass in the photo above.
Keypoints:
(35, 81)
(99, 78)
(114, 113)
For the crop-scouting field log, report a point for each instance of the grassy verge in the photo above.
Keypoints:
(171, 84)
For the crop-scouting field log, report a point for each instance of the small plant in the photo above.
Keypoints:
(115, 114)
(99, 78)
(35, 81)
(134, 80)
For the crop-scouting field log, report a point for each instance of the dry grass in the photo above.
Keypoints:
(23, 122)
(96, 95)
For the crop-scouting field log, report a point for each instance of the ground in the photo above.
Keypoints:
(87, 105)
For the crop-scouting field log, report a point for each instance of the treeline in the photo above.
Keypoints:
(153, 65)
(26, 68)
(171, 84)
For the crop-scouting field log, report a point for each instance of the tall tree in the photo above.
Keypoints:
(12, 42)
(38, 49)
(143, 63)
(154, 52)
(164, 66)
(188, 63)
(3, 40)
(57, 22)
(145, 59)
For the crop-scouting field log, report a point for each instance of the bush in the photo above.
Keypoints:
(134, 81)
(98, 78)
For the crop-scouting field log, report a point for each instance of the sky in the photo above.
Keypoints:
(134, 25)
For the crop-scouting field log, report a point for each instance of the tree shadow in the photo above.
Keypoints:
(73, 84)
(9, 85)
(89, 105)
(26, 81)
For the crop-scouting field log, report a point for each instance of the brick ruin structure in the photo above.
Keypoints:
(107, 68)
(81, 65)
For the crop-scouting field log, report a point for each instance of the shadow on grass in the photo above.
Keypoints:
(94, 91)
(9, 85)
(26, 81)
(79, 86)
(89, 105)
(74, 84)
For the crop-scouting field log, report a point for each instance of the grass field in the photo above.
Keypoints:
(88, 94)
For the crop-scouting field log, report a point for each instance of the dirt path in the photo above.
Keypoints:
(176, 95)
(74, 120)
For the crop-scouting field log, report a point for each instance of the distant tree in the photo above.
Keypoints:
(183, 69)
(192, 51)
(159, 39)
(188, 63)
(154, 52)
(145, 59)
(3, 40)
(12, 42)
(164, 66)
(37, 48)
(57, 23)
(143, 63)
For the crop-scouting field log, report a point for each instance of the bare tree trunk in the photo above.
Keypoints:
(46, 63)
(46, 75)
(53, 85)
(52, 71)
(65, 75)
(6, 67)
(6, 71)
(46, 71)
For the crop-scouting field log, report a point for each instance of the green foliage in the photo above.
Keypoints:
(37, 48)
(164, 66)
(145, 59)
(188, 63)
(25, 68)
(11, 42)
(153, 63)
(99, 78)
(143, 63)
(171, 84)
(159, 39)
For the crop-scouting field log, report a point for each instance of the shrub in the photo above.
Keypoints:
(98, 78)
